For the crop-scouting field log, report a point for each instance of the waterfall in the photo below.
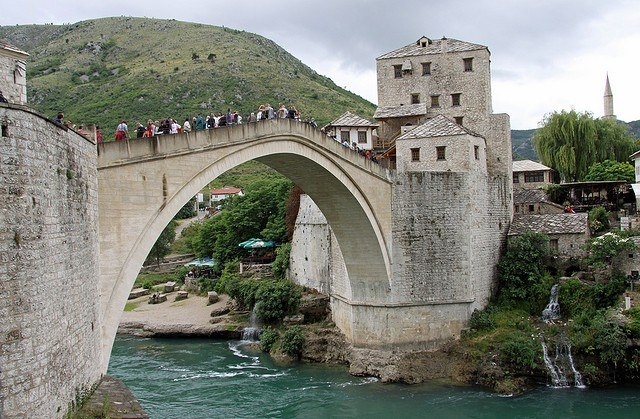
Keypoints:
(557, 377)
(252, 332)
(561, 364)
(577, 377)
(552, 311)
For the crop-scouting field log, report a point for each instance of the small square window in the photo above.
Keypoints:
(455, 99)
(441, 152)
(630, 255)
(476, 152)
(345, 136)
(435, 101)
(415, 98)
(458, 120)
(362, 137)
(426, 69)
(397, 71)
(516, 178)
(468, 64)
(553, 244)
(415, 154)
(531, 208)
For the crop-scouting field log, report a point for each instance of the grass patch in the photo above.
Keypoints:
(154, 278)
(131, 305)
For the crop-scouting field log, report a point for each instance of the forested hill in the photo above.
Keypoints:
(103, 70)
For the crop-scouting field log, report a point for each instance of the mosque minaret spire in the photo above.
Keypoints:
(608, 100)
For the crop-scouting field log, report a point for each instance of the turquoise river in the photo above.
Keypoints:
(199, 378)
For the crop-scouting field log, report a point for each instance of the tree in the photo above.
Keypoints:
(611, 170)
(162, 246)
(570, 142)
(522, 268)
(259, 213)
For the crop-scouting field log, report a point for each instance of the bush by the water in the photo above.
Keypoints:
(281, 264)
(268, 338)
(293, 341)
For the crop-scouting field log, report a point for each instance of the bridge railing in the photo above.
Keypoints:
(138, 149)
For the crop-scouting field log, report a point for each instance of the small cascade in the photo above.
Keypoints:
(577, 377)
(552, 311)
(558, 378)
(561, 365)
(251, 333)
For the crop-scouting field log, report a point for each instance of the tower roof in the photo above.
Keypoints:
(425, 46)
(349, 119)
(438, 126)
(607, 87)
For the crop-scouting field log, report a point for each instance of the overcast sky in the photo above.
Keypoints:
(546, 55)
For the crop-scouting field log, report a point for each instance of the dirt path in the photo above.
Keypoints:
(188, 317)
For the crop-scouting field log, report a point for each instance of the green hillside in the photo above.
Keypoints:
(103, 70)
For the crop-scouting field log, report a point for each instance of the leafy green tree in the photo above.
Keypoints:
(570, 142)
(603, 249)
(162, 246)
(522, 268)
(293, 341)
(259, 213)
(611, 170)
(599, 219)
(187, 211)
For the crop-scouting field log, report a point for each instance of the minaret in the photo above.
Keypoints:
(608, 101)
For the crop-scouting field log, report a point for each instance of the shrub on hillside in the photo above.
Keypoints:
(520, 352)
(268, 338)
(275, 300)
(522, 270)
(293, 341)
(281, 264)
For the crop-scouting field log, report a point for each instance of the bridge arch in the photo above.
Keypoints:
(140, 192)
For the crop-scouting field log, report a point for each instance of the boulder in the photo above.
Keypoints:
(219, 311)
(182, 295)
(138, 292)
(294, 319)
(169, 286)
(157, 298)
(213, 297)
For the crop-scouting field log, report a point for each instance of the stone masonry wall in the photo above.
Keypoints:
(49, 334)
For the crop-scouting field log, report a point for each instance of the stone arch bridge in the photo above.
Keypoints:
(143, 183)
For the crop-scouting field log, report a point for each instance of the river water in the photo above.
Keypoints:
(199, 378)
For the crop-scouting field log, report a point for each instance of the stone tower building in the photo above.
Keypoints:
(608, 101)
(13, 73)
(452, 191)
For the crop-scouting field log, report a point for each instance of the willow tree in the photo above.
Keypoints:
(570, 142)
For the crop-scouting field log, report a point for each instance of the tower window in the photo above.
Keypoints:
(440, 152)
(415, 154)
(455, 99)
(435, 101)
(415, 98)
(397, 71)
(476, 152)
(426, 69)
(458, 120)
(468, 64)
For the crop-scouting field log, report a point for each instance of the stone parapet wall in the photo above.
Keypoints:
(50, 329)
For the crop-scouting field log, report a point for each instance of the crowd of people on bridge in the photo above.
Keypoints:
(201, 122)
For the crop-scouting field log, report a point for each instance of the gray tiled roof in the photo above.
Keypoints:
(435, 47)
(349, 119)
(565, 223)
(438, 126)
(527, 196)
(528, 166)
(398, 111)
